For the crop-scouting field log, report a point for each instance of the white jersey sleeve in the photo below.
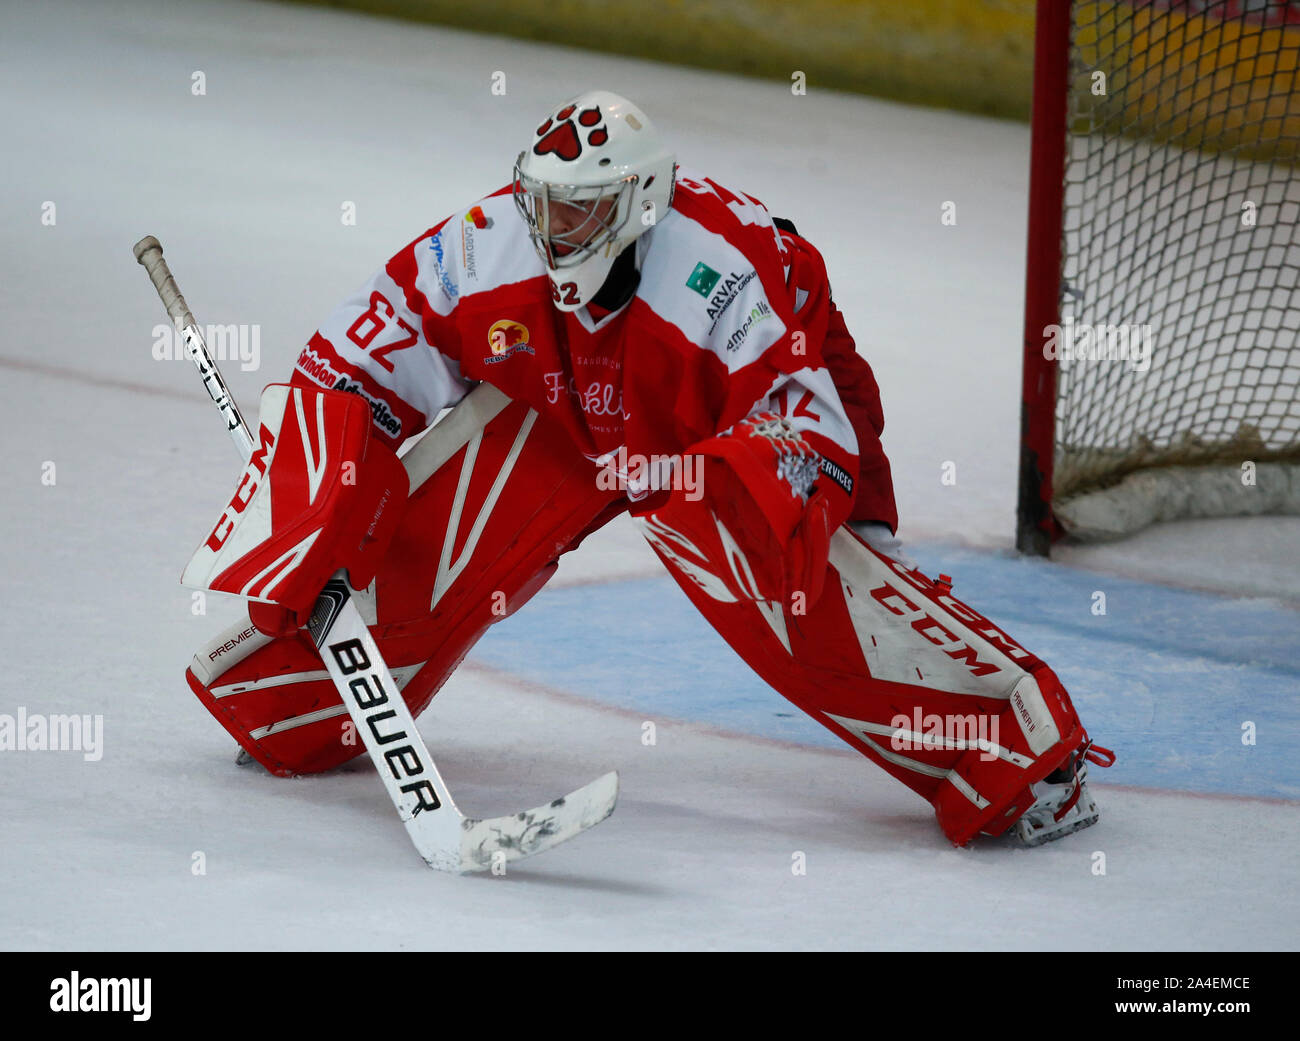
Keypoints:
(376, 344)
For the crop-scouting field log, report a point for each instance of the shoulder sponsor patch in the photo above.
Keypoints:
(758, 313)
(318, 368)
(703, 279)
(728, 288)
(837, 474)
(507, 337)
(445, 282)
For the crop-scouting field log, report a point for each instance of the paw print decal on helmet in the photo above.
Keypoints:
(559, 135)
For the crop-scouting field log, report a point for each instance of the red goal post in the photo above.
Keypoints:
(1161, 373)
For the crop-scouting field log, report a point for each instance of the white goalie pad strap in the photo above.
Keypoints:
(915, 737)
(282, 679)
(963, 786)
(957, 781)
(401, 676)
(299, 721)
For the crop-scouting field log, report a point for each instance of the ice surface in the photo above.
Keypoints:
(306, 110)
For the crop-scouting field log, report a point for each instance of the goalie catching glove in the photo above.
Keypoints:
(320, 493)
(762, 498)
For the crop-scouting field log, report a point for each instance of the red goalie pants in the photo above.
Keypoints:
(917, 681)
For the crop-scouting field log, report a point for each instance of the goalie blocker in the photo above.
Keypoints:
(318, 494)
(877, 657)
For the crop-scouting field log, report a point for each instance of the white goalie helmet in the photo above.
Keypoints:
(596, 176)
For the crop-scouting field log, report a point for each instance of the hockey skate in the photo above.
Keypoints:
(1063, 804)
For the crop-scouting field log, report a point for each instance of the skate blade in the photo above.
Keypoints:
(1031, 836)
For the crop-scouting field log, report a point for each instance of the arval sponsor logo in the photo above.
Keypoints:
(505, 338)
(702, 279)
(71, 993)
(722, 291)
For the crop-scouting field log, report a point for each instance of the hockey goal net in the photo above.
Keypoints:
(1162, 318)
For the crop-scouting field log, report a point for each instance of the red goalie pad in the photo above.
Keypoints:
(319, 494)
(919, 682)
(478, 538)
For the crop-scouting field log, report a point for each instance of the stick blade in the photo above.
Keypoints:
(533, 831)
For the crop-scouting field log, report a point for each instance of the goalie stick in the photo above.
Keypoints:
(444, 837)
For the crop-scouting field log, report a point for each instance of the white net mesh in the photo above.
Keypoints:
(1181, 280)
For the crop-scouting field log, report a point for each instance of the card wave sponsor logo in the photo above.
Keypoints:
(313, 365)
(449, 288)
(506, 338)
(478, 218)
(758, 313)
(470, 264)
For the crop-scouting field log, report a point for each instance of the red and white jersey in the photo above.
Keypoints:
(728, 318)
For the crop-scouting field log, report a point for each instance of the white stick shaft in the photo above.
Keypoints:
(148, 251)
(385, 725)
